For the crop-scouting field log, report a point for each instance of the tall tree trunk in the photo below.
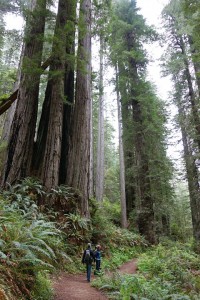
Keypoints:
(121, 159)
(68, 87)
(129, 152)
(52, 153)
(192, 174)
(145, 212)
(195, 61)
(144, 200)
(100, 143)
(91, 179)
(64, 36)
(192, 95)
(78, 173)
(20, 145)
(11, 111)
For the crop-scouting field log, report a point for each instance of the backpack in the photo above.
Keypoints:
(88, 257)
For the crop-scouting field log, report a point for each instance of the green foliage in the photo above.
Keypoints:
(180, 215)
(42, 289)
(7, 79)
(27, 246)
(78, 228)
(112, 210)
(24, 196)
(3, 147)
(143, 119)
(111, 162)
(3, 98)
(64, 198)
(111, 236)
(163, 273)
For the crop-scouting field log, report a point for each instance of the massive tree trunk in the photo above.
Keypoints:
(78, 173)
(55, 89)
(100, 142)
(68, 87)
(20, 145)
(121, 159)
(59, 91)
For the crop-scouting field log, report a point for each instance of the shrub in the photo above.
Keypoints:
(42, 289)
(26, 248)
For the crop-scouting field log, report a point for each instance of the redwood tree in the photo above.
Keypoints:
(20, 145)
(78, 173)
(55, 118)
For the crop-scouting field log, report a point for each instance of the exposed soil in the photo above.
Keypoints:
(76, 287)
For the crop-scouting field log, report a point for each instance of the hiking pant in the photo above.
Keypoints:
(98, 263)
(88, 268)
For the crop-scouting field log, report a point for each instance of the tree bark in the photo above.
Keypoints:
(195, 61)
(145, 212)
(20, 145)
(192, 95)
(11, 103)
(129, 152)
(68, 87)
(52, 152)
(121, 159)
(192, 174)
(78, 173)
(100, 142)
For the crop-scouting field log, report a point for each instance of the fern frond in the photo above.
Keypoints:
(42, 242)
(36, 262)
(40, 250)
(3, 255)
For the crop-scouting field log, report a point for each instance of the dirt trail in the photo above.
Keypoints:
(75, 287)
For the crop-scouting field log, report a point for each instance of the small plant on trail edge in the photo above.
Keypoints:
(42, 289)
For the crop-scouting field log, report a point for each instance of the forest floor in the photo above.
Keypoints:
(76, 287)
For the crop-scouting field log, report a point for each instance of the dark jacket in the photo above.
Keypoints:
(97, 255)
(91, 254)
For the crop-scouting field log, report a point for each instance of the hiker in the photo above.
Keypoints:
(88, 258)
(98, 257)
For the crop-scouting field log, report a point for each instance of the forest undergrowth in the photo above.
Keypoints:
(36, 242)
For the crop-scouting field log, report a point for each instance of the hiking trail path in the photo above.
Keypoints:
(75, 287)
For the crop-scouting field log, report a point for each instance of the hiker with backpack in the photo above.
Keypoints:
(97, 255)
(88, 258)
